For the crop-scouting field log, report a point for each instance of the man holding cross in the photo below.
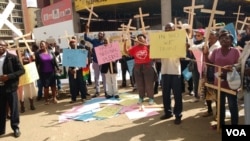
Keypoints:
(10, 71)
(95, 65)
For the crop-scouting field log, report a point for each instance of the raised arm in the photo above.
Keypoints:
(86, 38)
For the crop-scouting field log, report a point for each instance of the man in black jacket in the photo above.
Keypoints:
(10, 71)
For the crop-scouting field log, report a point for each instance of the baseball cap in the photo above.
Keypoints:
(200, 30)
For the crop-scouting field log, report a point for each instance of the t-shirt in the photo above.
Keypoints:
(220, 60)
(140, 54)
(171, 66)
(46, 63)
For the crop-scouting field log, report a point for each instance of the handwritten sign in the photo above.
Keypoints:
(31, 74)
(110, 52)
(168, 44)
(74, 57)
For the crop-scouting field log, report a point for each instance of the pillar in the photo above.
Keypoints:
(166, 12)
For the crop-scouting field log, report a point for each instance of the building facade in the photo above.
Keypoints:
(16, 17)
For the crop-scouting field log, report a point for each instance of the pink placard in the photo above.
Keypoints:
(110, 52)
(199, 58)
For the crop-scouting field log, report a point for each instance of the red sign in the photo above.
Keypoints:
(57, 12)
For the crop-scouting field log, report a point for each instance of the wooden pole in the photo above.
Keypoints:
(91, 12)
(191, 13)
(244, 23)
(212, 12)
(19, 52)
(143, 28)
(237, 17)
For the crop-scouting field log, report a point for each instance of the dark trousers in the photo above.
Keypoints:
(184, 64)
(145, 77)
(124, 68)
(40, 88)
(172, 82)
(158, 70)
(233, 108)
(196, 79)
(12, 100)
(77, 85)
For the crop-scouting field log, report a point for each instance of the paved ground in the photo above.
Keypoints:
(42, 125)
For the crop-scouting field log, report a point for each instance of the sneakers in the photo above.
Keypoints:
(96, 95)
(194, 100)
(117, 96)
(207, 114)
(166, 117)
(191, 93)
(151, 101)
(140, 101)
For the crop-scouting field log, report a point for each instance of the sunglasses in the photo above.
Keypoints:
(197, 35)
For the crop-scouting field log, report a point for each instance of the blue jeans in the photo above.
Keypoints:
(233, 108)
(58, 83)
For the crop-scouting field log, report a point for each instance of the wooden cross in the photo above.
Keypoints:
(67, 36)
(219, 89)
(189, 14)
(176, 25)
(122, 27)
(244, 23)
(188, 36)
(238, 15)
(18, 48)
(91, 12)
(212, 12)
(143, 28)
(128, 27)
(190, 10)
(4, 19)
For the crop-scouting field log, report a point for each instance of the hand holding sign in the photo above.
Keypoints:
(110, 52)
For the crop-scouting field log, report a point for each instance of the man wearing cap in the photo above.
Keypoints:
(76, 82)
